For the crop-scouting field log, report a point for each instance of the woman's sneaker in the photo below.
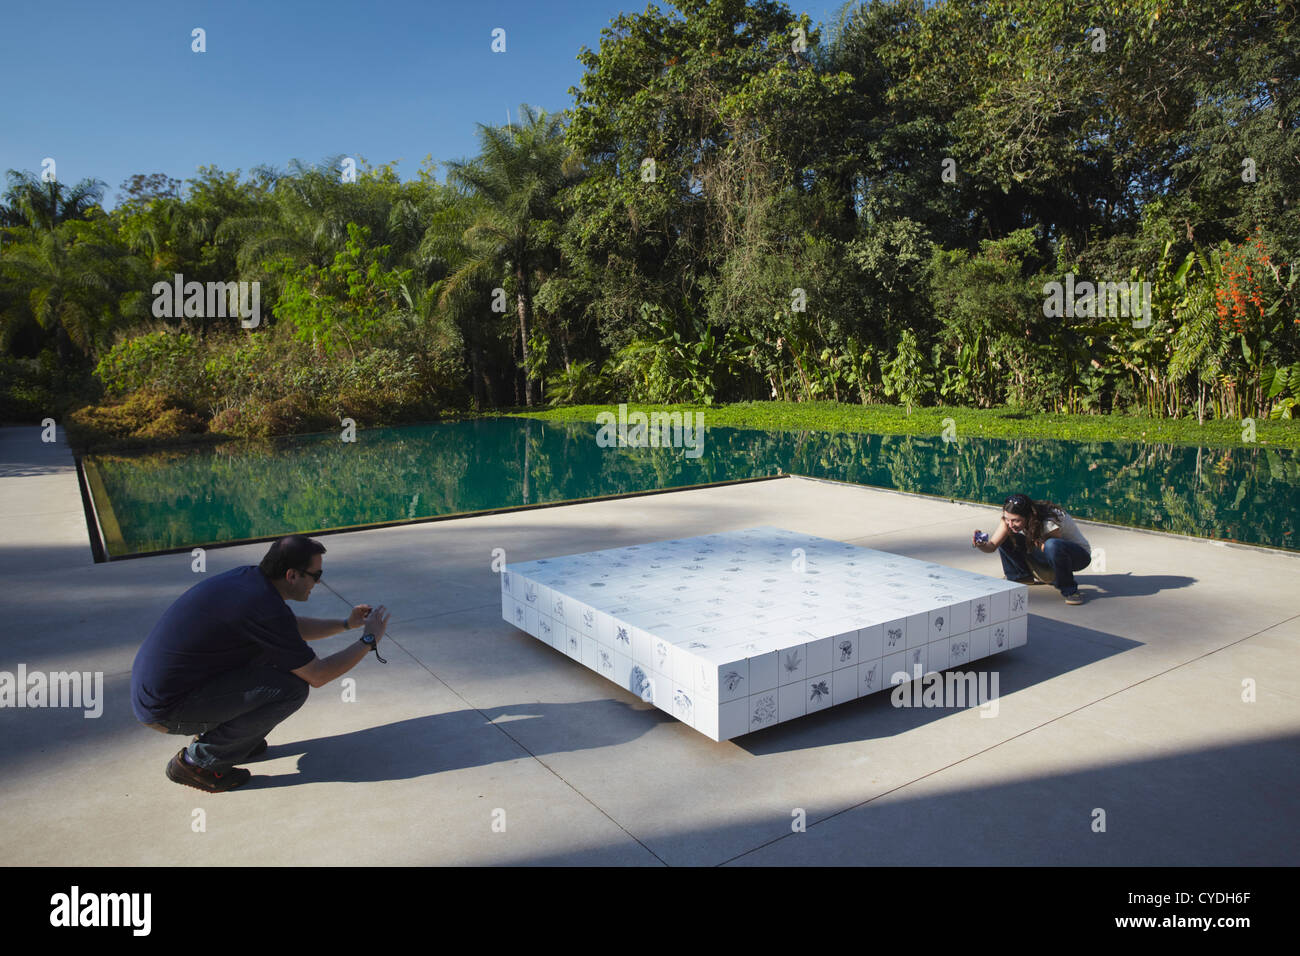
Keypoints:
(180, 771)
(1075, 597)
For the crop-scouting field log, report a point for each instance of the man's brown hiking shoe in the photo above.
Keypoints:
(178, 771)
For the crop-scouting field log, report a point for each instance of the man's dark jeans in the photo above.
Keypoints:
(1055, 562)
(233, 713)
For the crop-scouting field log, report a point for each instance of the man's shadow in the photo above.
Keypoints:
(422, 746)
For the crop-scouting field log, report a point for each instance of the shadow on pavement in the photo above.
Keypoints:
(423, 746)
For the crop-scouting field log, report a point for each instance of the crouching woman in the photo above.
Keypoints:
(1038, 539)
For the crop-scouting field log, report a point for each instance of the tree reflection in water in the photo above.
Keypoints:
(310, 483)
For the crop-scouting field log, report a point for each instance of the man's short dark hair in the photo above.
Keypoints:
(292, 552)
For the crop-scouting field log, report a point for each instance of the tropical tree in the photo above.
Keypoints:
(517, 176)
(31, 203)
(68, 278)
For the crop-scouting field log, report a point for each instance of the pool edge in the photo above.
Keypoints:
(108, 536)
(344, 529)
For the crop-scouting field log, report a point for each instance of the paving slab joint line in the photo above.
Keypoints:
(917, 527)
(518, 743)
(1029, 730)
(462, 610)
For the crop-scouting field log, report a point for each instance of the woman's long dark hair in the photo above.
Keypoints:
(1034, 513)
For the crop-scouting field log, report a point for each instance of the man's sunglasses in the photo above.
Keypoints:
(314, 575)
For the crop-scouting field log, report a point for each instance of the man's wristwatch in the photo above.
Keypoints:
(371, 642)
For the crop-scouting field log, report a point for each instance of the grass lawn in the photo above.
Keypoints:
(968, 422)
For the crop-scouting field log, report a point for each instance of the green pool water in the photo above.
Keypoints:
(183, 499)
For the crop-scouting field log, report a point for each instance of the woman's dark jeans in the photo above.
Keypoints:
(1055, 562)
(233, 713)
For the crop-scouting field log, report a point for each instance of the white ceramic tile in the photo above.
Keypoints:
(573, 643)
(652, 687)
(918, 661)
(999, 638)
(536, 596)
(792, 664)
(940, 624)
(731, 680)
(918, 630)
(818, 690)
(1019, 631)
(762, 672)
(979, 643)
(844, 684)
(958, 649)
(623, 671)
(545, 630)
(660, 655)
(895, 633)
(819, 654)
(641, 647)
(530, 620)
(683, 704)
(959, 617)
(604, 631)
(622, 636)
(707, 719)
(871, 642)
(844, 649)
(558, 604)
(870, 677)
(892, 665)
(589, 648)
(792, 702)
(999, 606)
(604, 660)
(762, 710)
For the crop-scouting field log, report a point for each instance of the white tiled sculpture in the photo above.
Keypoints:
(737, 631)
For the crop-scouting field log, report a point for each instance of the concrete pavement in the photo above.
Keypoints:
(1131, 705)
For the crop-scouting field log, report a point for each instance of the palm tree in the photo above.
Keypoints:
(66, 277)
(30, 203)
(307, 219)
(517, 175)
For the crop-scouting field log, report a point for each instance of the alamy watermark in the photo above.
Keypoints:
(950, 689)
(656, 430)
(198, 300)
(56, 689)
(76, 908)
(1098, 300)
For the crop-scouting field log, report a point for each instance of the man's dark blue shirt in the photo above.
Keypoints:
(219, 625)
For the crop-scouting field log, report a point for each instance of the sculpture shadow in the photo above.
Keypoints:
(1054, 648)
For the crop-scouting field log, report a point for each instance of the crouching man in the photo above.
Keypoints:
(229, 661)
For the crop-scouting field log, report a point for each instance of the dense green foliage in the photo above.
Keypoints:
(737, 206)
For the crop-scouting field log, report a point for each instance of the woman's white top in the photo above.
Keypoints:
(1069, 530)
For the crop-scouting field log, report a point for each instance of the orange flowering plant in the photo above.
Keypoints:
(1254, 299)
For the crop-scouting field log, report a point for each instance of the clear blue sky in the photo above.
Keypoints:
(108, 90)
